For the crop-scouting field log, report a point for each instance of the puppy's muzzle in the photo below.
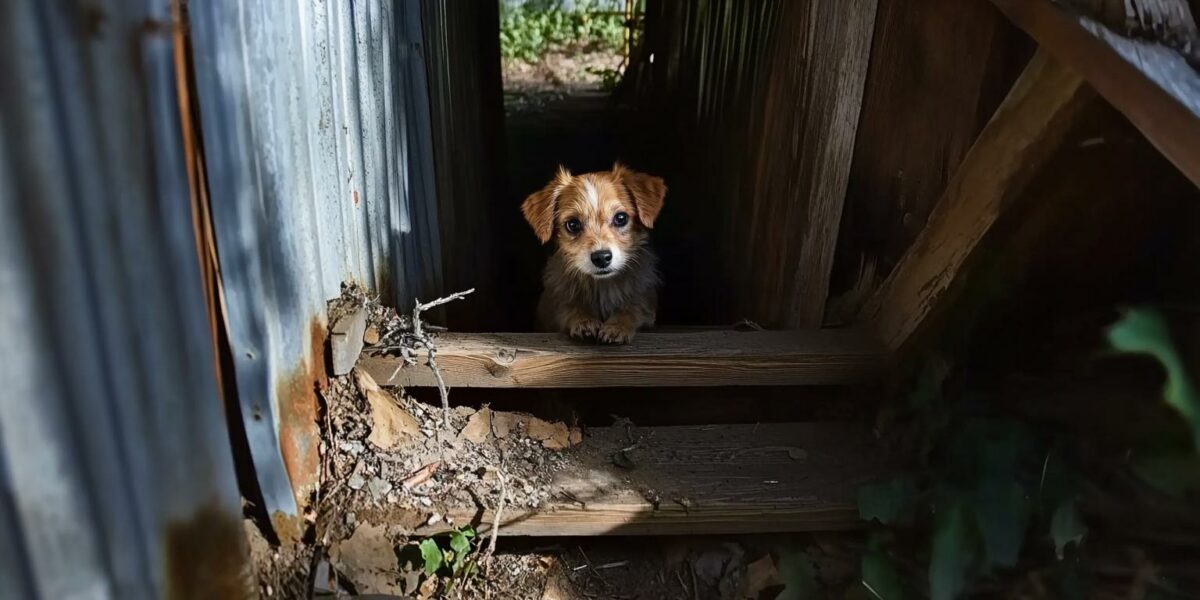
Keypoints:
(602, 258)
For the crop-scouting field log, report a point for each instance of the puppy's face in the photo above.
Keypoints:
(599, 221)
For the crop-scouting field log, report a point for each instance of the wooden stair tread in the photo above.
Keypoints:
(719, 479)
(702, 358)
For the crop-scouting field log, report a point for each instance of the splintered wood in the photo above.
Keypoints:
(625, 480)
(710, 358)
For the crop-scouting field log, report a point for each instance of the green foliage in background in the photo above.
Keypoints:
(987, 488)
(1145, 331)
(534, 28)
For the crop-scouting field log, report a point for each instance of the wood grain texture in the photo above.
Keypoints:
(1151, 84)
(938, 71)
(1022, 135)
(750, 113)
(818, 148)
(653, 360)
(703, 480)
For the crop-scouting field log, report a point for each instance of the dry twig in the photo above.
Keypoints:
(431, 349)
(420, 475)
(499, 511)
(409, 342)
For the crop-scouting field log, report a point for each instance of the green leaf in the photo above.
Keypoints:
(880, 577)
(1145, 331)
(1066, 527)
(880, 539)
(928, 391)
(1173, 474)
(459, 543)
(1001, 509)
(431, 554)
(886, 501)
(951, 555)
(799, 577)
(1068, 583)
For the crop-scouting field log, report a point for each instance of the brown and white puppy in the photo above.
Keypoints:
(602, 281)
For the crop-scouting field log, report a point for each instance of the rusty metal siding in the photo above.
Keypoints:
(315, 121)
(112, 437)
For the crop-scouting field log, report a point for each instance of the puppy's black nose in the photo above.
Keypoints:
(602, 258)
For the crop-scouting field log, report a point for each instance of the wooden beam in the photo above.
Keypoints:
(711, 358)
(701, 480)
(1151, 84)
(1018, 140)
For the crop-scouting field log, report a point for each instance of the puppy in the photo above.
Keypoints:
(602, 281)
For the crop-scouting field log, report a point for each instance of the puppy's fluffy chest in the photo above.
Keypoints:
(632, 287)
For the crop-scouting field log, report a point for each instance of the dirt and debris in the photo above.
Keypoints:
(393, 465)
(560, 71)
(281, 564)
(394, 456)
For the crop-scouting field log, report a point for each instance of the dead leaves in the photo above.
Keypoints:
(391, 426)
(487, 424)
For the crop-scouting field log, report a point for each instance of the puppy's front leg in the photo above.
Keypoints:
(624, 324)
(579, 323)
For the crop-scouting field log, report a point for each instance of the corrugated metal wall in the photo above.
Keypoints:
(116, 478)
(315, 121)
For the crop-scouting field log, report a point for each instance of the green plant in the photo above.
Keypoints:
(985, 485)
(1145, 331)
(532, 29)
(448, 555)
(609, 78)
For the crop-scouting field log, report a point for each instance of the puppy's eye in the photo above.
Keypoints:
(620, 219)
(573, 226)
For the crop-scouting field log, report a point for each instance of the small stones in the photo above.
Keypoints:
(379, 488)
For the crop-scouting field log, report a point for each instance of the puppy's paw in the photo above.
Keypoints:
(584, 329)
(616, 333)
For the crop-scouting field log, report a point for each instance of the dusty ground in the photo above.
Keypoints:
(532, 87)
(559, 71)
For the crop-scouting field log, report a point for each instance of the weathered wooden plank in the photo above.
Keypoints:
(1151, 84)
(653, 359)
(703, 480)
(1022, 135)
(826, 148)
(938, 71)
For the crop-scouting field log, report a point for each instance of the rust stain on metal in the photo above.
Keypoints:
(92, 19)
(298, 407)
(354, 196)
(157, 27)
(207, 557)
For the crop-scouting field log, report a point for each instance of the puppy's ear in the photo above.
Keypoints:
(538, 208)
(648, 192)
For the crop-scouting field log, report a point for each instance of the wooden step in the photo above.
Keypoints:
(705, 358)
(719, 479)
